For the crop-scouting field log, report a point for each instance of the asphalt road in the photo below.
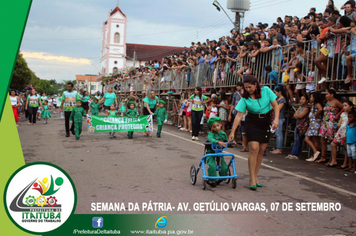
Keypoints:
(152, 169)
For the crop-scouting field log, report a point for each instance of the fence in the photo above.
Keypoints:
(333, 61)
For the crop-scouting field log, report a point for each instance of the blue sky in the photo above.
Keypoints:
(63, 37)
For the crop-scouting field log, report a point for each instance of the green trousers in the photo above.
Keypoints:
(212, 167)
(78, 128)
(159, 129)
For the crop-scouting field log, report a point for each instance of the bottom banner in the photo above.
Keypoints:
(100, 124)
(134, 225)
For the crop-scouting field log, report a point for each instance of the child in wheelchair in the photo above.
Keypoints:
(216, 136)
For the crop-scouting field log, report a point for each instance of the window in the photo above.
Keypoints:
(92, 87)
(117, 38)
(115, 71)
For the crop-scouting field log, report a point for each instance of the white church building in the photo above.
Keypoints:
(118, 55)
(113, 46)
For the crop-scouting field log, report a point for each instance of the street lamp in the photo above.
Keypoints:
(95, 68)
(218, 6)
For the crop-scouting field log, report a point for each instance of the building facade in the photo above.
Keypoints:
(113, 47)
(88, 83)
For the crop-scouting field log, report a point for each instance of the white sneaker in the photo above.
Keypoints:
(196, 139)
(322, 80)
(193, 137)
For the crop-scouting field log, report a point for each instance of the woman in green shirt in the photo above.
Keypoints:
(258, 102)
(32, 104)
(108, 99)
(198, 100)
(149, 107)
(85, 103)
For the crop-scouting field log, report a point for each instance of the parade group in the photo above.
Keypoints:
(319, 120)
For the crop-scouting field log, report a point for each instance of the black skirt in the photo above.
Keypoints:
(85, 105)
(145, 111)
(257, 127)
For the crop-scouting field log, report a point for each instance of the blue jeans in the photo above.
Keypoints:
(298, 143)
(342, 76)
(279, 134)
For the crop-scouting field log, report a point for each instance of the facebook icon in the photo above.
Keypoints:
(98, 222)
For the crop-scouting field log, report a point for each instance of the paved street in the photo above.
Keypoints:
(144, 169)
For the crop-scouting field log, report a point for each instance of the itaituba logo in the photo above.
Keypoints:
(47, 200)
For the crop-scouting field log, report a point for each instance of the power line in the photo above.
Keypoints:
(185, 39)
(270, 4)
(60, 39)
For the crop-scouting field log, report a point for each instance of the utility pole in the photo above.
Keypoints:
(237, 21)
(134, 57)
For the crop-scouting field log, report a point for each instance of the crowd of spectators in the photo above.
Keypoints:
(285, 56)
(285, 53)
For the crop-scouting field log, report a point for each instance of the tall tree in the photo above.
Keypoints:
(22, 74)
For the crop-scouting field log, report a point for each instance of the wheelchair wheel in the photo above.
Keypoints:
(233, 183)
(204, 185)
(193, 175)
(228, 173)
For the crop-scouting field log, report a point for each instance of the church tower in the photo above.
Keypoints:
(113, 47)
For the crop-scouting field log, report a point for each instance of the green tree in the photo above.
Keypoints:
(22, 74)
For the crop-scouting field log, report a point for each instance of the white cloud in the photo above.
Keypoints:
(49, 57)
(59, 70)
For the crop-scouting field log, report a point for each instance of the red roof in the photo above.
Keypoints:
(150, 52)
(89, 78)
(117, 9)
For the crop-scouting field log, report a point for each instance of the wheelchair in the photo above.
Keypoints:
(219, 152)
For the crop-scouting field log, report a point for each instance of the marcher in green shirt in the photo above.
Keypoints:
(32, 104)
(131, 113)
(108, 99)
(149, 107)
(95, 107)
(161, 114)
(258, 102)
(112, 112)
(76, 117)
(198, 100)
(216, 136)
(85, 105)
(69, 99)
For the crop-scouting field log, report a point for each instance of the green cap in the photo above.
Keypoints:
(161, 101)
(213, 120)
(132, 103)
(79, 100)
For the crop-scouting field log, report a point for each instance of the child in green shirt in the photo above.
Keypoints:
(76, 117)
(216, 136)
(95, 107)
(112, 112)
(131, 113)
(161, 114)
(45, 113)
(122, 107)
